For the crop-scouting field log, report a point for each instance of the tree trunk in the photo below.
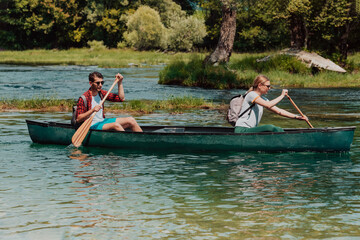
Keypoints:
(306, 37)
(225, 44)
(343, 45)
(298, 32)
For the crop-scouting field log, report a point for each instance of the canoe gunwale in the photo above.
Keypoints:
(333, 139)
(226, 130)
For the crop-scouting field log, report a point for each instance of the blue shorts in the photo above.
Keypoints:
(99, 125)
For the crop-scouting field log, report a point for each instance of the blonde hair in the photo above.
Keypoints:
(259, 79)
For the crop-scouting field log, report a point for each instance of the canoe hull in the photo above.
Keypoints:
(200, 138)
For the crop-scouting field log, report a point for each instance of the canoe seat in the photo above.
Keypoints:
(170, 130)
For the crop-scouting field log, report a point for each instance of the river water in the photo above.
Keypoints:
(59, 192)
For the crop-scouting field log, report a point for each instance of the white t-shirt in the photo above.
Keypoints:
(253, 116)
(99, 115)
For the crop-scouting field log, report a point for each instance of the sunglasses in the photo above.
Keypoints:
(98, 83)
(268, 86)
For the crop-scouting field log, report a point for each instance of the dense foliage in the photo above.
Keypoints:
(27, 24)
(329, 26)
(145, 30)
(148, 28)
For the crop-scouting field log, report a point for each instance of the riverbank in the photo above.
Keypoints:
(136, 107)
(284, 71)
(116, 58)
(241, 64)
(108, 58)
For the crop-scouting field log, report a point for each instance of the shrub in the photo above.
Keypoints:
(169, 11)
(121, 45)
(96, 45)
(186, 32)
(174, 74)
(145, 29)
(279, 62)
(195, 73)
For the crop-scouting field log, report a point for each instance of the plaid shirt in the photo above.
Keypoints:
(81, 108)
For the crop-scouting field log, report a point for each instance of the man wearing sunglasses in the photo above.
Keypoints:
(93, 98)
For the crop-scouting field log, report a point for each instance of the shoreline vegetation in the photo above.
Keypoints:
(186, 69)
(106, 58)
(173, 105)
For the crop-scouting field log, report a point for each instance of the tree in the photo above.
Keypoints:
(145, 30)
(260, 27)
(298, 12)
(44, 24)
(103, 21)
(336, 22)
(322, 25)
(186, 32)
(224, 47)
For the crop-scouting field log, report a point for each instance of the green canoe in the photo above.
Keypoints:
(332, 139)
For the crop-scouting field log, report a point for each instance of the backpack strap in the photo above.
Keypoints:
(251, 106)
(246, 110)
(84, 99)
(73, 118)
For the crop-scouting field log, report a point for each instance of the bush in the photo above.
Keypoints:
(96, 45)
(196, 74)
(174, 74)
(121, 45)
(145, 30)
(279, 62)
(168, 10)
(186, 32)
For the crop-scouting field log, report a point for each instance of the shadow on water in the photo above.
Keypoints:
(221, 166)
(229, 156)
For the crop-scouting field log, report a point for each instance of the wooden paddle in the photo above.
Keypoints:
(82, 131)
(299, 110)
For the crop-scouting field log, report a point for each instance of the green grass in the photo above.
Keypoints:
(110, 58)
(282, 71)
(279, 62)
(40, 104)
(173, 105)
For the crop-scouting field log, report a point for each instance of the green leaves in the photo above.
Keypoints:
(145, 29)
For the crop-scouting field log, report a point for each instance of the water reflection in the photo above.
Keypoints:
(225, 194)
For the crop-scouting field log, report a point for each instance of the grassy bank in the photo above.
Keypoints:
(283, 71)
(243, 67)
(171, 105)
(109, 58)
(287, 71)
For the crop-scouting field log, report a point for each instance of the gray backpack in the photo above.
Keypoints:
(234, 110)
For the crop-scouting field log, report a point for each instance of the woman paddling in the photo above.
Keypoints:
(248, 122)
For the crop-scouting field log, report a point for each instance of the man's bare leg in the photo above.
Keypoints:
(122, 123)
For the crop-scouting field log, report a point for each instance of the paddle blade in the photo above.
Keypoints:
(81, 133)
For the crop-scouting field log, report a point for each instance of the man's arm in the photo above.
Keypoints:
(121, 93)
(82, 114)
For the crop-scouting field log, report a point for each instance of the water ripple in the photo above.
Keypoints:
(61, 192)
